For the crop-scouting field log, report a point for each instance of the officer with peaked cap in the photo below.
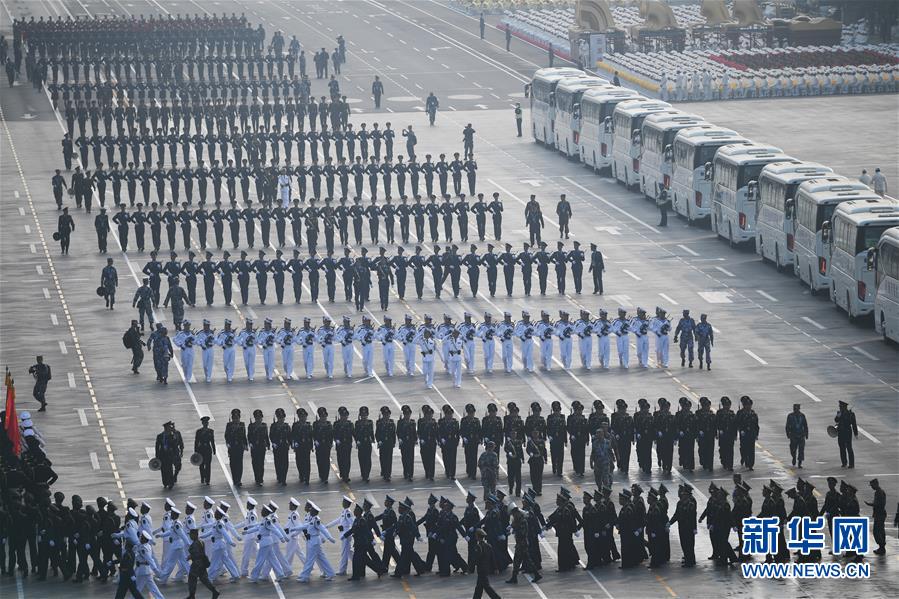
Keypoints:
(847, 429)
(747, 423)
(621, 326)
(266, 339)
(204, 444)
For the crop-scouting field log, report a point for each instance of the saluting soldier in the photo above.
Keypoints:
(204, 444)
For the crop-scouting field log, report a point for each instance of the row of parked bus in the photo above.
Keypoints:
(835, 233)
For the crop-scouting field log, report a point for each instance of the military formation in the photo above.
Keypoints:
(454, 343)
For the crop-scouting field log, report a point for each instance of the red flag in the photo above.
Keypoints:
(12, 419)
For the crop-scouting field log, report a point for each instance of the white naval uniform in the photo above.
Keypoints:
(564, 330)
(545, 331)
(346, 336)
(250, 546)
(276, 547)
(661, 327)
(584, 330)
(314, 553)
(267, 535)
(219, 558)
(407, 336)
(525, 332)
(467, 333)
(285, 338)
(640, 327)
(365, 336)
(325, 337)
(428, 347)
(621, 328)
(344, 522)
(177, 540)
(284, 188)
(227, 340)
(247, 340)
(506, 333)
(443, 333)
(185, 341)
(232, 530)
(206, 343)
(487, 331)
(145, 567)
(294, 519)
(266, 341)
(305, 338)
(165, 527)
(386, 336)
(455, 347)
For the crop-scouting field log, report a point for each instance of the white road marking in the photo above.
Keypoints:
(866, 354)
(668, 299)
(252, 313)
(869, 435)
(32, 247)
(71, 377)
(27, 230)
(818, 326)
(767, 296)
(82, 416)
(611, 205)
(62, 348)
(95, 461)
(445, 66)
(21, 211)
(204, 411)
(716, 297)
(54, 320)
(46, 293)
(630, 274)
(609, 230)
(15, 194)
(429, 57)
(686, 249)
(725, 271)
(807, 393)
(755, 357)
(621, 300)
(39, 270)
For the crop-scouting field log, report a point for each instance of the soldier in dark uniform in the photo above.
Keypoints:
(706, 429)
(643, 431)
(725, 422)
(406, 529)
(407, 438)
(558, 437)
(685, 421)
(566, 522)
(622, 429)
(448, 438)
(847, 429)
(685, 516)
(657, 532)
(747, 426)
(386, 435)
(514, 458)
(236, 442)
(279, 437)
(427, 440)
(448, 529)
(243, 268)
(204, 444)
(167, 451)
(343, 440)
(521, 561)
(301, 440)
(665, 428)
(363, 434)
(536, 452)
(363, 540)
(490, 260)
(430, 522)
(470, 432)
(258, 441)
(578, 433)
(323, 440)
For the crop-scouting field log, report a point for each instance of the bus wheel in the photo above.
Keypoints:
(777, 263)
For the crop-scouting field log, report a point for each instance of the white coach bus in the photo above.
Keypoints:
(691, 183)
(543, 104)
(567, 121)
(852, 234)
(735, 172)
(886, 277)
(777, 200)
(597, 106)
(815, 202)
(627, 119)
(656, 153)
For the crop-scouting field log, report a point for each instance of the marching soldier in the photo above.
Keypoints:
(279, 437)
(686, 328)
(685, 516)
(448, 432)
(204, 444)
(536, 452)
(325, 336)
(643, 433)
(323, 440)
(162, 354)
(747, 425)
(236, 442)
(470, 433)
(246, 339)
(286, 337)
(301, 441)
(640, 326)
(428, 347)
(621, 326)
(259, 443)
(168, 452)
(427, 440)
(564, 329)
(578, 434)
(597, 267)
(622, 428)
(525, 330)
(385, 436)
(583, 327)
(705, 339)
(364, 435)
(725, 422)
(686, 434)
(407, 438)
(558, 437)
(343, 441)
(602, 327)
(488, 464)
(665, 431)
(706, 428)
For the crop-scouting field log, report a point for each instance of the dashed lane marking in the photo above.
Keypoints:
(767, 296)
(868, 355)
(818, 326)
(725, 271)
(755, 357)
(71, 377)
(82, 416)
(807, 393)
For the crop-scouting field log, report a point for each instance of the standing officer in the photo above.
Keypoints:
(563, 211)
(259, 443)
(597, 267)
(343, 441)
(323, 440)
(167, 453)
(279, 436)
(377, 90)
(686, 328)
(448, 432)
(109, 281)
(364, 435)
(204, 444)
(747, 425)
(578, 434)
(797, 433)
(643, 433)
(846, 430)
(622, 428)
(301, 441)
(470, 433)
(427, 440)
(879, 516)
(42, 375)
(706, 431)
(518, 115)
(236, 442)
(705, 339)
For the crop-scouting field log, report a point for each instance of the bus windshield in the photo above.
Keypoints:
(749, 172)
(825, 213)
